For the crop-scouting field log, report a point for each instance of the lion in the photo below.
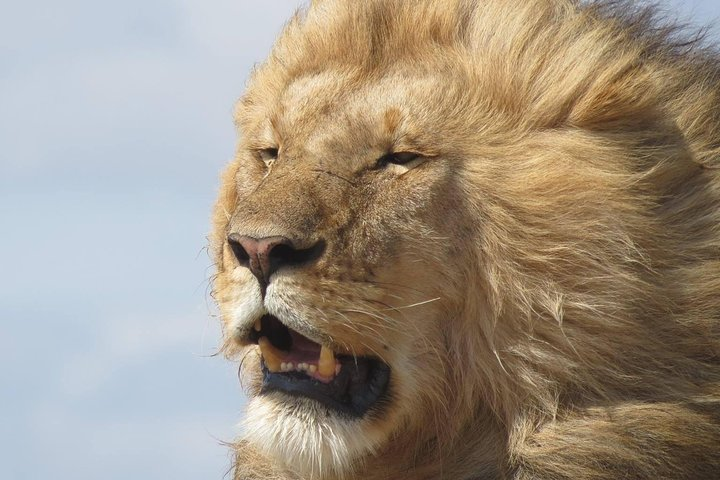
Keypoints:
(476, 239)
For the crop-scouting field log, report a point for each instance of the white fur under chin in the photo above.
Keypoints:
(305, 436)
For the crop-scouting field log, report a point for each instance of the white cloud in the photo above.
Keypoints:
(72, 104)
(129, 342)
(236, 27)
(73, 446)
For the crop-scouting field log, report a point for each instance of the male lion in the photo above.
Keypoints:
(476, 239)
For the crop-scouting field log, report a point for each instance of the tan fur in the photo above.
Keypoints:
(545, 285)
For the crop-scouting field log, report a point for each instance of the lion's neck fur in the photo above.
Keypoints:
(465, 458)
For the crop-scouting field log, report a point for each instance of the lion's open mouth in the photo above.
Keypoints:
(298, 366)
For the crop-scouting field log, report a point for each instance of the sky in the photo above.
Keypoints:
(115, 122)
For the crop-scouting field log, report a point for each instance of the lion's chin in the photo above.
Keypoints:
(306, 437)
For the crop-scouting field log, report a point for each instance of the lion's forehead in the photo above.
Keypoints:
(325, 112)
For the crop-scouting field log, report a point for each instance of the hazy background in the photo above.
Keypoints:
(115, 120)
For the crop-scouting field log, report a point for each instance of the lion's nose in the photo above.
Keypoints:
(265, 256)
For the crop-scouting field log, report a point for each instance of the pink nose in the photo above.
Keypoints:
(265, 256)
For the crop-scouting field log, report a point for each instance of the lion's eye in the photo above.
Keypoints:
(398, 158)
(268, 154)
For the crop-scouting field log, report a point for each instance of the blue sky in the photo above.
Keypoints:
(115, 121)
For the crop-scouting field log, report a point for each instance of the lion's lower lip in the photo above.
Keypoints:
(361, 384)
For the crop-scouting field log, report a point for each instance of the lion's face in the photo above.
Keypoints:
(344, 255)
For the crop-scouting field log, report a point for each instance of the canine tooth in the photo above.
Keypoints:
(283, 367)
(258, 325)
(312, 368)
(270, 354)
(337, 369)
(326, 362)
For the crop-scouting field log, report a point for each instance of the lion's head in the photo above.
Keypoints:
(450, 221)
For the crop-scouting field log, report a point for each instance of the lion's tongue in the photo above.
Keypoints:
(304, 356)
(303, 348)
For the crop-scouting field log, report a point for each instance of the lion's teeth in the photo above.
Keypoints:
(258, 325)
(326, 362)
(312, 368)
(270, 354)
